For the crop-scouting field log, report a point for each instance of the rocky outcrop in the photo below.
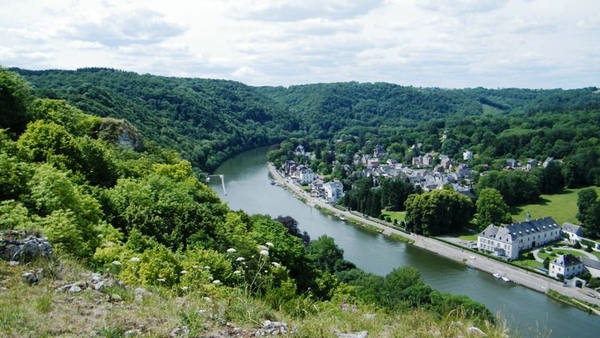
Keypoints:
(120, 132)
(17, 245)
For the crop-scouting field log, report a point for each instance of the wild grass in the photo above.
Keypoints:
(43, 310)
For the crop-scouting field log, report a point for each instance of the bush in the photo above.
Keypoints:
(577, 245)
(546, 263)
(549, 248)
(542, 250)
(589, 248)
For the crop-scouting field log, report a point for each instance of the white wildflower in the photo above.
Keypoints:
(231, 250)
(275, 264)
(135, 259)
(240, 259)
(264, 253)
(161, 280)
(216, 281)
(269, 244)
(262, 247)
(195, 266)
(207, 267)
(237, 272)
(184, 288)
(183, 272)
(116, 263)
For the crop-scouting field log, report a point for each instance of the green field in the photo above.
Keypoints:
(561, 207)
(394, 215)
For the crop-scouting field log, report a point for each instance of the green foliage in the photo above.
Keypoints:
(15, 98)
(515, 186)
(491, 209)
(438, 212)
(589, 212)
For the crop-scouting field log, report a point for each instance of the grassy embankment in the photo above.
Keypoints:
(42, 311)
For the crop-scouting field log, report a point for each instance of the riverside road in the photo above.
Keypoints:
(520, 276)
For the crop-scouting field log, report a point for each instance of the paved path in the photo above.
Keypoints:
(475, 260)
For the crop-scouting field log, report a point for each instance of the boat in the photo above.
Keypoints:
(342, 218)
(272, 182)
(504, 278)
(497, 275)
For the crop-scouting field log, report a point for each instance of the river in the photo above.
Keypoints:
(528, 313)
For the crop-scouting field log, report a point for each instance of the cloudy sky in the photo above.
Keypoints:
(429, 43)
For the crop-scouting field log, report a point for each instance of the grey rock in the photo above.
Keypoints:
(272, 329)
(180, 332)
(74, 289)
(475, 330)
(99, 286)
(361, 334)
(16, 245)
(133, 332)
(30, 278)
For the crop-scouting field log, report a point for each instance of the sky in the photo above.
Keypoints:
(422, 43)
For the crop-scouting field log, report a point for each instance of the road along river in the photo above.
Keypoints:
(529, 313)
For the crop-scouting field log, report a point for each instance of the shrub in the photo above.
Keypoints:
(542, 250)
(577, 245)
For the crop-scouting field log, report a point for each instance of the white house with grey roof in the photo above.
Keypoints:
(334, 190)
(507, 241)
(567, 265)
(575, 232)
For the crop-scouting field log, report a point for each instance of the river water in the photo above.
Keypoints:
(528, 313)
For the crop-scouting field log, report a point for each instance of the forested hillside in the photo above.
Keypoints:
(207, 121)
(141, 218)
(210, 120)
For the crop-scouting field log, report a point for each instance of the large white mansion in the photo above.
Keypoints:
(508, 240)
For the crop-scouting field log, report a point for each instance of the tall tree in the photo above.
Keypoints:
(438, 212)
(589, 212)
(491, 209)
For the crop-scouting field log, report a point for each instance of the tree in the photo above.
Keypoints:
(15, 98)
(491, 209)
(515, 186)
(589, 211)
(327, 256)
(292, 226)
(438, 212)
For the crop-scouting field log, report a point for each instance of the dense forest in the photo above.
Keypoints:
(208, 121)
(142, 216)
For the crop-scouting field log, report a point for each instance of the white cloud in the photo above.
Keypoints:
(140, 26)
(443, 43)
(292, 10)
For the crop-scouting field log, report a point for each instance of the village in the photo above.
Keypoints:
(563, 261)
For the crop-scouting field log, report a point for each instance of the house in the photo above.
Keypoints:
(507, 241)
(591, 265)
(467, 155)
(547, 161)
(531, 163)
(334, 190)
(567, 265)
(305, 175)
(575, 232)
(511, 163)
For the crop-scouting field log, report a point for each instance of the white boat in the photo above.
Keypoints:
(342, 218)
(497, 275)
(504, 278)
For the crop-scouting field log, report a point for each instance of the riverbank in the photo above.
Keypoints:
(475, 260)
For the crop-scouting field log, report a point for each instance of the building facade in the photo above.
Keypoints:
(567, 265)
(507, 241)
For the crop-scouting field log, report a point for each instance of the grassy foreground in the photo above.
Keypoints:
(46, 310)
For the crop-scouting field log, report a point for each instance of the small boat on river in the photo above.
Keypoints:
(497, 275)
(506, 279)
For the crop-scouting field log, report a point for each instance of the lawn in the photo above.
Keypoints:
(562, 207)
(394, 215)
